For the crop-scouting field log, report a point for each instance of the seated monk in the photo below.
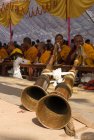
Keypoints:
(62, 50)
(30, 51)
(49, 45)
(13, 52)
(3, 52)
(88, 41)
(41, 49)
(86, 53)
(16, 55)
(45, 55)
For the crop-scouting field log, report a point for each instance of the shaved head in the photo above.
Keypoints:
(78, 40)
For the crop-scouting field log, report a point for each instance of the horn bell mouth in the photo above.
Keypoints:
(53, 111)
(31, 95)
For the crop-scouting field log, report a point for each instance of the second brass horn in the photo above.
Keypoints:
(53, 111)
(32, 94)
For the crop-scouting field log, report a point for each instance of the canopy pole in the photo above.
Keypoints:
(68, 22)
(10, 28)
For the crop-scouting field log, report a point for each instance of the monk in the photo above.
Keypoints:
(41, 49)
(84, 50)
(3, 52)
(88, 54)
(13, 51)
(45, 54)
(30, 51)
(16, 55)
(63, 50)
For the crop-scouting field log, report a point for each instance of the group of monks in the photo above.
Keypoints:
(41, 52)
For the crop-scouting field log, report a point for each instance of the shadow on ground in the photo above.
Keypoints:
(36, 122)
(87, 136)
(10, 90)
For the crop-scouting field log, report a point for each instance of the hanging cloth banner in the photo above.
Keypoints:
(58, 7)
(13, 11)
(65, 9)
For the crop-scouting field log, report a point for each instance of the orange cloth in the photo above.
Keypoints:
(45, 57)
(16, 50)
(65, 51)
(3, 53)
(89, 50)
(89, 54)
(31, 54)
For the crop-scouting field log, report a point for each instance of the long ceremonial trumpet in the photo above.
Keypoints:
(32, 94)
(53, 111)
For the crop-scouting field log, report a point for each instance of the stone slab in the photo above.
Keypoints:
(18, 124)
(82, 102)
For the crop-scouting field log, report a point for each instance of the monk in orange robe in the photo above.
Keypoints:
(84, 50)
(62, 49)
(30, 51)
(44, 53)
(3, 52)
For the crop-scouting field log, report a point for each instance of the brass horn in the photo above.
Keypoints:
(32, 94)
(53, 111)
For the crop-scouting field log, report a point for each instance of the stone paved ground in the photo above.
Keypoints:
(19, 124)
(82, 103)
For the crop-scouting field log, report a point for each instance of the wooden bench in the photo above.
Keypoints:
(5, 66)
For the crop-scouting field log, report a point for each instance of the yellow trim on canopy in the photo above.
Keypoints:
(73, 9)
(13, 12)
